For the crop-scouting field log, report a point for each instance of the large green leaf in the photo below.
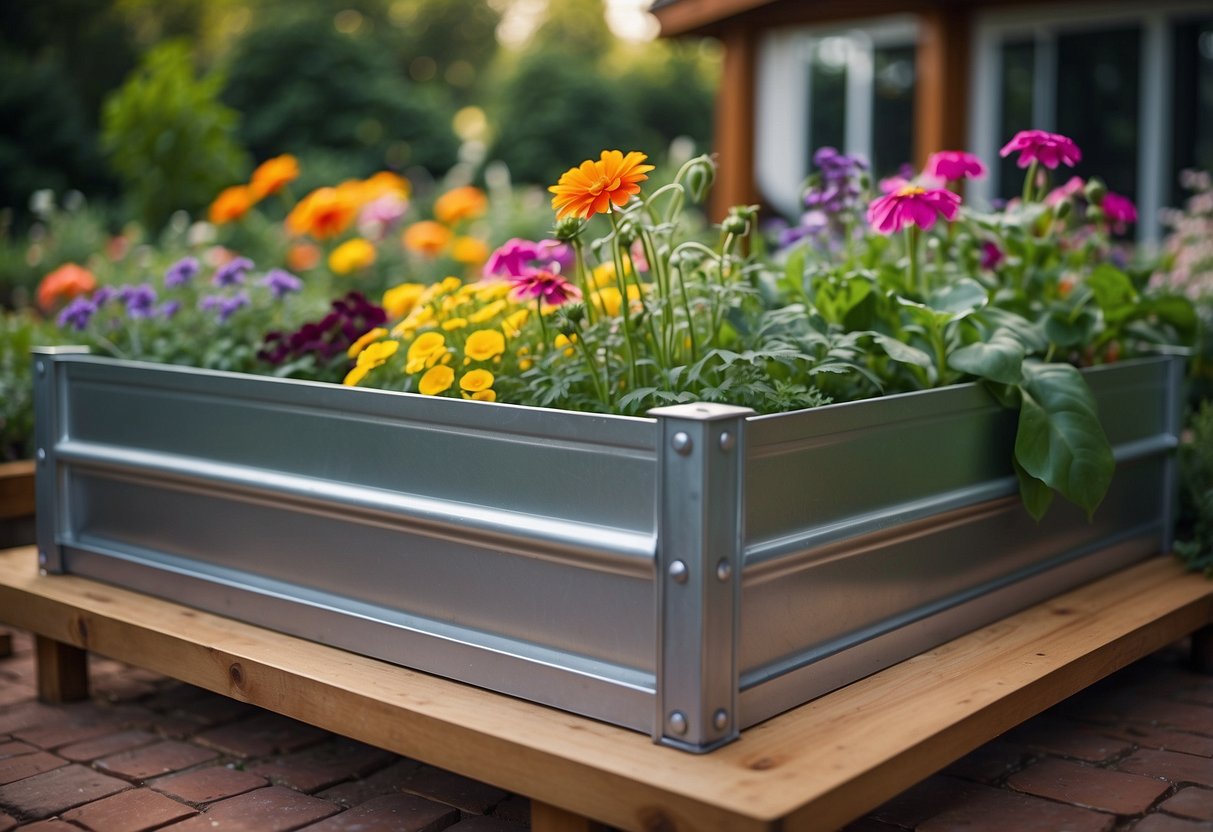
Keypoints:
(1060, 440)
(1000, 359)
(901, 352)
(1035, 494)
(960, 298)
(1114, 292)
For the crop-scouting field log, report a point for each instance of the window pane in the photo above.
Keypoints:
(1018, 81)
(1193, 102)
(892, 108)
(828, 93)
(1097, 103)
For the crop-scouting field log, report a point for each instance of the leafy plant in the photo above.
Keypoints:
(1195, 544)
(19, 331)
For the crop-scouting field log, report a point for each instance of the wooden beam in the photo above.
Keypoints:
(62, 670)
(16, 489)
(734, 126)
(942, 90)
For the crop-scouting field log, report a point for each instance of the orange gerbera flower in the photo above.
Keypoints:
(593, 187)
(272, 175)
(64, 283)
(231, 204)
(426, 237)
(324, 213)
(460, 204)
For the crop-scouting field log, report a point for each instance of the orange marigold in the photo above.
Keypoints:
(427, 237)
(272, 175)
(324, 213)
(460, 204)
(385, 182)
(593, 187)
(231, 204)
(63, 284)
(303, 256)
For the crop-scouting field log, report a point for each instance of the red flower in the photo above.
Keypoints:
(912, 205)
(1050, 149)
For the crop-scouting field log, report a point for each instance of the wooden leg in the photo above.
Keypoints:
(6, 644)
(548, 818)
(1202, 649)
(62, 671)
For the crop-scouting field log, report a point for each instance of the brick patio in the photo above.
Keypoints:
(1134, 752)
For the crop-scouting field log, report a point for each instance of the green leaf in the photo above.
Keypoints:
(1060, 440)
(1114, 292)
(1000, 359)
(1036, 496)
(1028, 333)
(903, 353)
(1066, 329)
(958, 299)
(1178, 312)
(836, 298)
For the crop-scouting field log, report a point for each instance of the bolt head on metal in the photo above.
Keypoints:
(677, 723)
(727, 441)
(41, 454)
(720, 719)
(679, 572)
(681, 442)
(42, 558)
(724, 570)
(41, 367)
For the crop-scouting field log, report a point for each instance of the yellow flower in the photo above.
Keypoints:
(474, 381)
(377, 353)
(470, 251)
(351, 256)
(357, 347)
(231, 204)
(563, 340)
(425, 346)
(487, 311)
(324, 213)
(604, 274)
(512, 325)
(451, 324)
(593, 187)
(484, 344)
(436, 380)
(460, 204)
(272, 175)
(427, 238)
(400, 300)
(492, 289)
(609, 299)
(356, 374)
(489, 395)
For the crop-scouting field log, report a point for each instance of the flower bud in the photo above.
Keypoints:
(1062, 209)
(627, 231)
(1095, 214)
(568, 229)
(738, 220)
(701, 174)
(573, 313)
(1095, 190)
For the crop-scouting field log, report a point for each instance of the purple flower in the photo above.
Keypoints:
(232, 273)
(551, 288)
(140, 300)
(169, 309)
(181, 272)
(104, 295)
(811, 223)
(281, 283)
(77, 314)
(229, 306)
(516, 257)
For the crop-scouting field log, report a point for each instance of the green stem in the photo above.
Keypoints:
(601, 387)
(624, 304)
(917, 276)
(543, 327)
(1029, 182)
(583, 282)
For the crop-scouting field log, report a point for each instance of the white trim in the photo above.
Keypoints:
(859, 96)
(1153, 122)
(985, 70)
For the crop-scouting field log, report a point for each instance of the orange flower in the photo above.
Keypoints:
(272, 175)
(231, 204)
(384, 183)
(324, 213)
(594, 186)
(470, 251)
(460, 204)
(302, 256)
(63, 284)
(426, 237)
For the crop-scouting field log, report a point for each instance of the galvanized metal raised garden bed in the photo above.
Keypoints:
(686, 575)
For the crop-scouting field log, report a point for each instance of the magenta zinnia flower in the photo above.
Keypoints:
(954, 165)
(1071, 188)
(1119, 210)
(516, 257)
(1050, 149)
(551, 288)
(911, 205)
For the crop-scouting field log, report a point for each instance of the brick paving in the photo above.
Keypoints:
(1134, 752)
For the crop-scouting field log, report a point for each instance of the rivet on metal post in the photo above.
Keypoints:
(727, 441)
(41, 367)
(41, 455)
(720, 719)
(724, 570)
(679, 572)
(678, 723)
(42, 558)
(681, 442)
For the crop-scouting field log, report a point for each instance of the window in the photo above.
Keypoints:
(1192, 104)
(892, 108)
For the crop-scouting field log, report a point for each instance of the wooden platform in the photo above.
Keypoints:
(816, 767)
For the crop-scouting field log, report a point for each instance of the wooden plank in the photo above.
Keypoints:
(62, 671)
(16, 489)
(816, 767)
(733, 138)
(942, 91)
(548, 818)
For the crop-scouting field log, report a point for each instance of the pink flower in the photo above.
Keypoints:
(912, 205)
(991, 255)
(1119, 210)
(954, 165)
(1071, 188)
(516, 257)
(551, 288)
(1050, 149)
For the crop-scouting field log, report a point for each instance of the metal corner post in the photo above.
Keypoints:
(1175, 395)
(48, 430)
(699, 566)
